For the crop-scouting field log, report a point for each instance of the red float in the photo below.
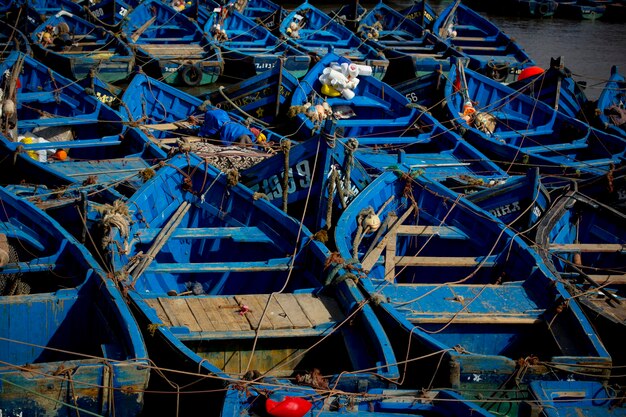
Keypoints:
(288, 407)
(529, 72)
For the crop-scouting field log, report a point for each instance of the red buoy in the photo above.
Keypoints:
(288, 407)
(529, 72)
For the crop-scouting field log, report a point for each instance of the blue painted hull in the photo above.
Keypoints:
(235, 251)
(411, 50)
(371, 112)
(529, 133)
(519, 202)
(575, 398)
(266, 97)
(171, 47)
(251, 49)
(93, 49)
(68, 341)
(161, 108)
(582, 240)
(489, 50)
(464, 312)
(613, 95)
(313, 166)
(320, 35)
(96, 152)
(556, 87)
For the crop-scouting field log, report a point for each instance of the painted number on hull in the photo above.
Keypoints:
(273, 186)
(506, 209)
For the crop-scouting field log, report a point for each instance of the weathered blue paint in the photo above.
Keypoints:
(68, 341)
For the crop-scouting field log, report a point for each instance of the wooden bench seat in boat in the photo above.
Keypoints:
(588, 247)
(592, 163)
(73, 144)
(468, 31)
(238, 234)
(444, 261)
(467, 304)
(277, 264)
(477, 48)
(173, 49)
(83, 119)
(581, 144)
(39, 265)
(220, 315)
(606, 279)
(105, 169)
(446, 232)
(473, 39)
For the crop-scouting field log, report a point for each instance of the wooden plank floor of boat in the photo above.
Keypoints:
(222, 314)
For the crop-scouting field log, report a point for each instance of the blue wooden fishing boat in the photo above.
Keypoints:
(612, 103)
(368, 108)
(318, 34)
(265, 97)
(107, 13)
(249, 48)
(170, 47)
(583, 241)
(577, 398)
(265, 12)
(74, 47)
(388, 129)
(489, 50)
(68, 342)
(421, 13)
(411, 50)
(232, 289)
(555, 87)
(73, 136)
(302, 401)
(520, 132)
(519, 202)
(474, 317)
(171, 117)
(319, 171)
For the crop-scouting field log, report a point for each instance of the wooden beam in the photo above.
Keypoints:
(461, 261)
(475, 318)
(372, 256)
(587, 247)
(609, 279)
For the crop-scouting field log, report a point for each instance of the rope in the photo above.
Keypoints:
(350, 148)
(232, 103)
(331, 195)
(285, 147)
(161, 239)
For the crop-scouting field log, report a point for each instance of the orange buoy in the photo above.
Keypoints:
(61, 155)
(529, 72)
